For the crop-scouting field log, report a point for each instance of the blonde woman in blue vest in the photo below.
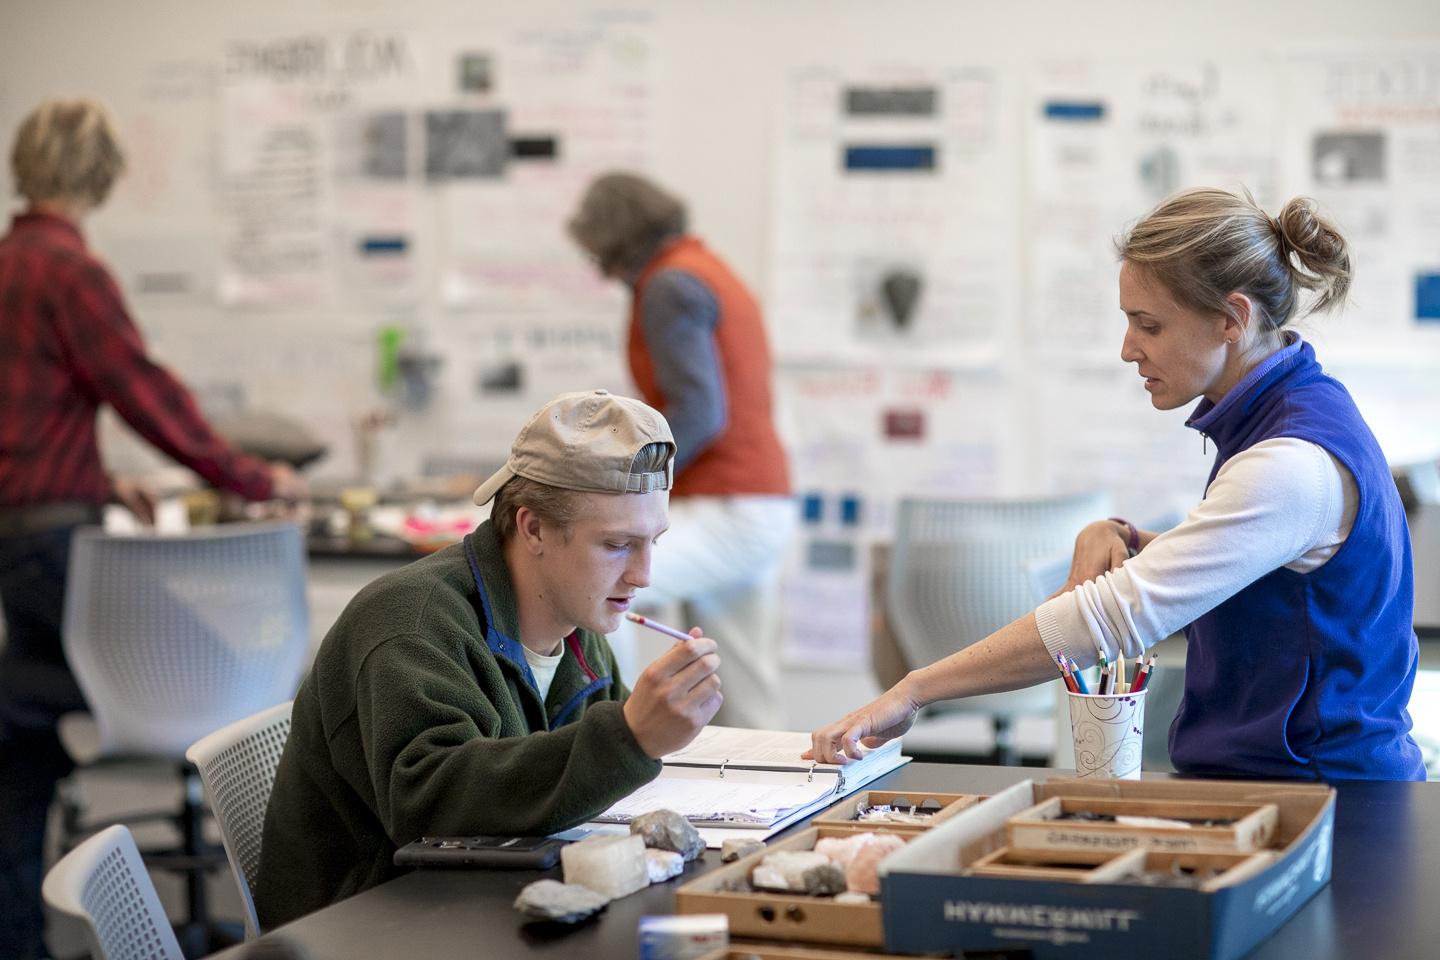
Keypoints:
(1292, 577)
(697, 350)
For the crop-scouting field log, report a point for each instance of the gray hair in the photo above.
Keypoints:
(1205, 244)
(622, 218)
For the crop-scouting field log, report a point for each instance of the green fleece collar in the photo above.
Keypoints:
(501, 608)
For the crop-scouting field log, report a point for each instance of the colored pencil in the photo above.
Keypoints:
(1142, 676)
(656, 625)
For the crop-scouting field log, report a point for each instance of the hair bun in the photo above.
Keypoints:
(1323, 254)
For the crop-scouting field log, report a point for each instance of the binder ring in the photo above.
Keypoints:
(722, 767)
(810, 774)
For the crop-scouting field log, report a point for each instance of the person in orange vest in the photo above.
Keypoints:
(698, 352)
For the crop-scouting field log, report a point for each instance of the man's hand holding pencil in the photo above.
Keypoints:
(677, 694)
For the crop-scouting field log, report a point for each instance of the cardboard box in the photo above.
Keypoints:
(765, 951)
(930, 904)
(946, 805)
(1039, 827)
(771, 915)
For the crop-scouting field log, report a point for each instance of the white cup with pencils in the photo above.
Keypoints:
(1107, 719)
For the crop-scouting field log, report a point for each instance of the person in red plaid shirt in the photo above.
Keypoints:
(67, 346)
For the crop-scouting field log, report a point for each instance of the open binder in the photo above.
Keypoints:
(732, 782)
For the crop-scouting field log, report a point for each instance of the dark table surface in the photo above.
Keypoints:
(1387, 849)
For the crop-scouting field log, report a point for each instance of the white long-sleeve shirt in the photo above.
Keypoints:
(1284, 502)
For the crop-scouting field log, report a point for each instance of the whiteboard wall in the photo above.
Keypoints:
(726, 102)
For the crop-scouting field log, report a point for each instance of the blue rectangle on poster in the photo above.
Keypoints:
(1427, 297)
(903, 158)
(812, 508)
(371, 246)
(1074, 110)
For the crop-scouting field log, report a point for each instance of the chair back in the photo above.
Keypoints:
(171, 637)
(237, 765)
(958, 573)
(104, 883)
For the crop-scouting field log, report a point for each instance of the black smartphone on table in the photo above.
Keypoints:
(485, 852)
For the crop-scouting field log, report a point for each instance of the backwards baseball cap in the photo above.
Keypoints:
(587, 441)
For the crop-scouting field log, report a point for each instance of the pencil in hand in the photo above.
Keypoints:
(656, 625)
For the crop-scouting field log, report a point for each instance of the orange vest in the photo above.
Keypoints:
(746, 458)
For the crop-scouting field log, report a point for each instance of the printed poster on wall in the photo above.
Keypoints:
(893, 225)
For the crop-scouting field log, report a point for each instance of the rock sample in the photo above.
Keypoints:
(842, 850)
(613, 866)
(823, 881)
(786, 869)
(663, 864)
(861, 875)
(667, 830)
(559, 902)
(732, 850)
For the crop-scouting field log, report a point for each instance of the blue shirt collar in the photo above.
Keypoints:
(1220, 420)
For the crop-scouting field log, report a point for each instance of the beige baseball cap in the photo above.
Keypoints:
(587, 441)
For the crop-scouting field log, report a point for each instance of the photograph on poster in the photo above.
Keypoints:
(476, 72)
(465, 144)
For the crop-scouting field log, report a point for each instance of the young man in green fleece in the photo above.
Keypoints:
(473, 692)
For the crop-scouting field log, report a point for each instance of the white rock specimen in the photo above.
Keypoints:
(667, 830)
(732, 850)
(663, 864)
(785, 869)
(561, 902)
(613, 866)
(861, 874)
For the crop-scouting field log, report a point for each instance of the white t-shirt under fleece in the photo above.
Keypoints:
(1284, 502)
(543, 668)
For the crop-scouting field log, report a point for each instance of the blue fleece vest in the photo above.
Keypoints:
(1306, 675)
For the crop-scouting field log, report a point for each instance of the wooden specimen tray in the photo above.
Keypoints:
(1039, 828)
(774, 915)
(945, 805)
(1068, 866)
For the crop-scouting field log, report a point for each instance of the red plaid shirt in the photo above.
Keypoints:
(67, 346)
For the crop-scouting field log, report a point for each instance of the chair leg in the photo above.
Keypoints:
(72, 813)
(1005, 753)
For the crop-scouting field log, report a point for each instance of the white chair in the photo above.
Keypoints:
(172, 637)
(237, 765)
(958, 573)
(104, 883)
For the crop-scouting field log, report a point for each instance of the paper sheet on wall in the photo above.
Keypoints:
(284, 105)
(1106, 142)
(1100, 432)
(860, 438)
(564, 104)
(892, 221)
(1362, 136)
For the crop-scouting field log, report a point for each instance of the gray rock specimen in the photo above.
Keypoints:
(667, 830)
(663, 864)
(560, 902)
(609, 865)
(823, 881)
(785, 869)
(732, 850)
